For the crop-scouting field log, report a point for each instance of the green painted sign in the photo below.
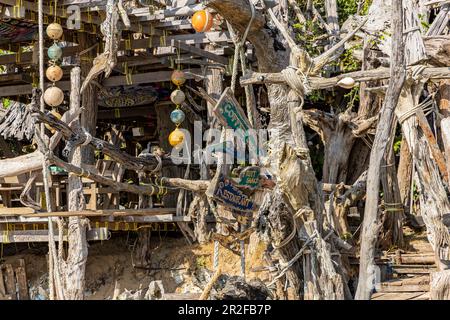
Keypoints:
(249, 177)
(231, 115)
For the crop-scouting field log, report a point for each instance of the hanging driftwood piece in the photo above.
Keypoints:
(111, 31)
(17, 122)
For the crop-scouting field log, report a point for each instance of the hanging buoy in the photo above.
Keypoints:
(54, 31)
(176, 137)
(58, 116)
(178, 78)
(346, 83)
(54, 52)
(202, 21)
(54, 73)
(177, 116)
(53, 96)
(178, 97)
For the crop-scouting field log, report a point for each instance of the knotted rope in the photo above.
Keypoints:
(295, 81)
(427, 106)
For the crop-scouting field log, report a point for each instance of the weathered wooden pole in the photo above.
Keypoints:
(371, 222)
(75, 264)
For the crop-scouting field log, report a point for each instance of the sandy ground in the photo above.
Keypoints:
(174, 262)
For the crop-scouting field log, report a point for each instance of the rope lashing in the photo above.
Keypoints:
(293, 260)
(294, 81)
(291, 236)
(417, 72)
(393, 207)
(427, 106)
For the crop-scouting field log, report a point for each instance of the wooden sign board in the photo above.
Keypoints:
(231, 115)
(225, 191)
(249, 177)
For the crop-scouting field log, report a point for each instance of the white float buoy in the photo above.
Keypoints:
(53, 96)
(346, 83)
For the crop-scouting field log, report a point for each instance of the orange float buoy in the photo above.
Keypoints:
(54, 73)
(176, 137)
(202, 21)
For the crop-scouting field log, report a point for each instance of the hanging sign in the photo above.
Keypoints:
(225, 191)
(231, 115)
(249, 177)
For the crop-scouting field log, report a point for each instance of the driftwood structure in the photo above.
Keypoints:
(351, 111)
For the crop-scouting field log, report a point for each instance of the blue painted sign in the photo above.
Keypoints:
(225, 191)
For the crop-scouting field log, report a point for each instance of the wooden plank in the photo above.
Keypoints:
(15, 211)
(84, 17)
(142, 78)
(150, 77)
(200, 52)
(397, 296)
(412, 269)
(146, 13)
(27, 57)
(21, 278)
(138, 219)
(386, 287)
(189, 39)
(92, 213)
(10, 281)
(42, 236)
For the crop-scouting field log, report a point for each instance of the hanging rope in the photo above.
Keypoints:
(216, 255)
(428, 106)
(239, 45)
(242, 244)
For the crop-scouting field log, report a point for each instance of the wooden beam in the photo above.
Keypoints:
(27, 57)
(151, 77)
(152, 42)
(42, 236)
(100, 213)
(146, 14)
(142, 78)
(200, 52)
(85, 18)
(163, 218)
(190, 39)
(317, 83)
